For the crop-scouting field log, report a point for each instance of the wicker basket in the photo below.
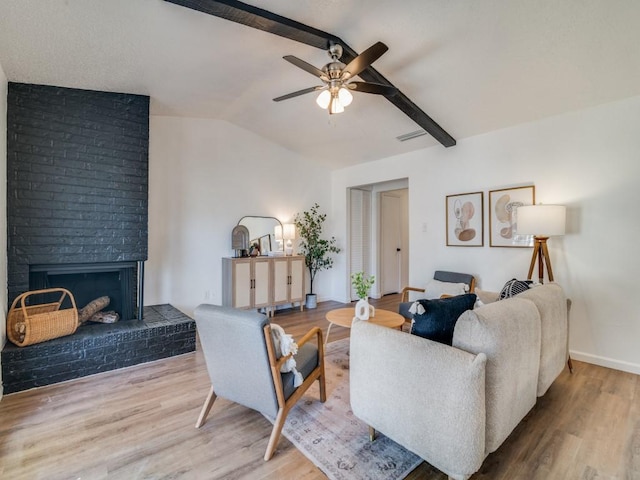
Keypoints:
(31, 324)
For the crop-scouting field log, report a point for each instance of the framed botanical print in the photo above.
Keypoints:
(465, 219)
(503, 216)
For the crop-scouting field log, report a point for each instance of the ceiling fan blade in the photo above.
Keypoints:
(363, 60)
(368, 87)
(298, 93)
(307, 67)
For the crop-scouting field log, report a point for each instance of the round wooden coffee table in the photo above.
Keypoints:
(344, 316)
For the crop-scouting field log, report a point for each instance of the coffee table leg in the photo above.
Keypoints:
(326, 339)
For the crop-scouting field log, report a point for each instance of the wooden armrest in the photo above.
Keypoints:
(317, 332)
(281, 361)
(406, 290)
(309, 335)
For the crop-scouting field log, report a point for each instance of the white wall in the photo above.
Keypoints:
(3, 216)
(587, 160)
(204, 175)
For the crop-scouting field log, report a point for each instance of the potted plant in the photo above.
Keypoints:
(362, 284)
(316, 250)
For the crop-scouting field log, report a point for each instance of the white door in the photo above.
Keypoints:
(390, 242)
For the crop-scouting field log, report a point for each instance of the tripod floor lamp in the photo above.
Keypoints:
(541, 221)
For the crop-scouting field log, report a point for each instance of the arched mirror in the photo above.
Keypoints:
(262, 233)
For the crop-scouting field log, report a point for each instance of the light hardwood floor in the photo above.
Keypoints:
(138, 423)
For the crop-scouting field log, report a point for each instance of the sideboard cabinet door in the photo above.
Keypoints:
(237, 282)
(280, 280)
(261, 283)
(297, 272)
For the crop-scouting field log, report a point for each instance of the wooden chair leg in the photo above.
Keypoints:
(372, 434)
(570, 363)
(323, 387)
(275, 433)
(206, 408)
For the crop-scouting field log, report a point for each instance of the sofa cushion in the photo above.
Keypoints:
(439, 319)
(306, 361)
(513, 287)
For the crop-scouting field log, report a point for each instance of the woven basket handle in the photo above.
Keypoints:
(64, 292)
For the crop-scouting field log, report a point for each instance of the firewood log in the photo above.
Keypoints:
(105, 317)
(92, 308)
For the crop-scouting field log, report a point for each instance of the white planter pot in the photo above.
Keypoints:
(311, 301)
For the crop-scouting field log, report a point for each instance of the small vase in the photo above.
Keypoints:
(364, 310)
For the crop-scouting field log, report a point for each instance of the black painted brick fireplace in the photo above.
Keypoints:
(77, 198)
(77, 178)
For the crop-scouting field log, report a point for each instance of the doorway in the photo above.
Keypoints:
(378, 216)
(394, 243)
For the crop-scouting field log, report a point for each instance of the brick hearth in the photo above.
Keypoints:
(163, 332)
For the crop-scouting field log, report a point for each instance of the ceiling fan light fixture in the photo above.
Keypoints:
(324, 99)
(345, 96)
(335, 94)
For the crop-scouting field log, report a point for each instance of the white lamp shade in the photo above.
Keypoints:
(345, 97)
(335, 106)
(289, 231)
(541, 220)
(323, 99)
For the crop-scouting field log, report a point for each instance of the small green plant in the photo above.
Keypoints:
(362, 284)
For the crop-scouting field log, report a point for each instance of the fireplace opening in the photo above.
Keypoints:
(120, 281)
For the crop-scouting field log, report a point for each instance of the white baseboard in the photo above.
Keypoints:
(606, 362)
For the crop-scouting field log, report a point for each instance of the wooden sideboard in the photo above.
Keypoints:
(263, 282)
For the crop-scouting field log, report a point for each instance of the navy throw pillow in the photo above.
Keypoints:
(440, 317)
(513, 287)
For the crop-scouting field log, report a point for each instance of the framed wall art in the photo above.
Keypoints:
(265, 244)
(465, 219)
(503, 217)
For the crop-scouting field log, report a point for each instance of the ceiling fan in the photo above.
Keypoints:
(337, 77)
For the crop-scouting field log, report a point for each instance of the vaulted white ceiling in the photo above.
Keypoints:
(473, 65)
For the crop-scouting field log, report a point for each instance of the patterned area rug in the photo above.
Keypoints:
(334, 439)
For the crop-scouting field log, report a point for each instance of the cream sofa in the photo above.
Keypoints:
(454, 405)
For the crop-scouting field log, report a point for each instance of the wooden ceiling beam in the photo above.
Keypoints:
(266, 21)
